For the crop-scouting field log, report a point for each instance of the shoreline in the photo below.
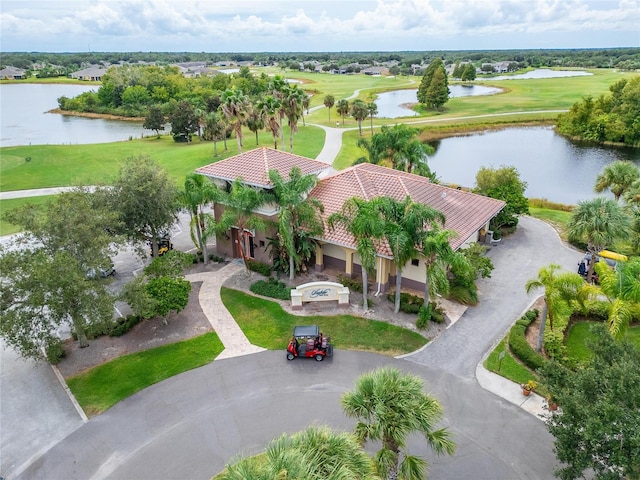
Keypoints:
(104, 116)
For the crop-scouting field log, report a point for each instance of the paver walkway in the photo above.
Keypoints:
(234, 340)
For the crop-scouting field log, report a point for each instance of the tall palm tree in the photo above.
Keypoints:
(622, 287)
(372, 110)
(389, 406)
(293, 110)
(560, 290)
(278, 86)
(362, 220)
(214, 128)
(317, 453)
(240, 203)
(598, 222)
(359, 112)
(329, 101)
(306, 101)
(618, 177)
(405, 226)
(255, 120)
(235, 106)
(270, 108)
(342, 107)
(298, 211)
(199, 192)
(438, 257)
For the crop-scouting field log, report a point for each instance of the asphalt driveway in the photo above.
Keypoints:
(191, 425)
(503, 299)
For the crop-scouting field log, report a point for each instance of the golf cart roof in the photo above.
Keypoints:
(305, 331)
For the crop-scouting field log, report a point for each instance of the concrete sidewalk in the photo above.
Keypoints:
(234, 340)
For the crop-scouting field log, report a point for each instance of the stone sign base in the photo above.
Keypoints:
(319, 292)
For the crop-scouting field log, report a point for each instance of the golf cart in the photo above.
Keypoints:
(164, 245)
(308, 342)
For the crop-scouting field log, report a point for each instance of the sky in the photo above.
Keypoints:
(315, 26)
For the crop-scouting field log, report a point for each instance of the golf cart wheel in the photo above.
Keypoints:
(290, 356)
(319, 357)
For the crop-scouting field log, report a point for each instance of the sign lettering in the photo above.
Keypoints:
(320, 292)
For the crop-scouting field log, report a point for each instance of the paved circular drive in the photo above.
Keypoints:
(191, 425)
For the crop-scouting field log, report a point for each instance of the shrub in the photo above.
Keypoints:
(518, 342)
(215, 258)
(466, 294)
(259, 267)
(123, 324)
(55, 352)
(271, 288)
(354, 284)
(596, 309)
(408, 303)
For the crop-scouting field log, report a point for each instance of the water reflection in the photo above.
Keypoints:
(553, 167)
(25, 120)
(397, 103)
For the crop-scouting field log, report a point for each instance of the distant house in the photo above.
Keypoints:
(90, 74)
(375, 71)
(11, 73)
(466, 213)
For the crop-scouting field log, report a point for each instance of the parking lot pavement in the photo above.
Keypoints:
(35, 411)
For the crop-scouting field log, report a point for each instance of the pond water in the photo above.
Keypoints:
(390, 104)
(538, 73)
(25, 121)
(553, 167)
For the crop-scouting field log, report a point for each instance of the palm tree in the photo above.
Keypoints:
(278, 86)
(389, 406)
(235, 105)
(199, 192)
(298, 211)
(329, 101)
(362, 220)
(270, 108)
(438, 256)
(372, 110)
(622, 287)
(317, 453)
(405, 226)
(359, 112)
(342, 107)
(240, 204)
(598, 222)
(255, 121)
(214, 129)
(618, 177)
(306, 100)
(293, 110)
(560, 290)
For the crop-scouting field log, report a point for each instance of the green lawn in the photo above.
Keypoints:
(7, 228)
(103, 386)
(267, 325)
(509, 367)
(580, 332)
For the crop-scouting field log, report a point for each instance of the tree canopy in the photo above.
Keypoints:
(609, 118)
(503, 184)
(598, 424)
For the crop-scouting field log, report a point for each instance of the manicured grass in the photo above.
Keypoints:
(267, 325)
(556, 218)
(7, 228)
(102, 387)
(509, 367)
(64, 165)
(580, 332)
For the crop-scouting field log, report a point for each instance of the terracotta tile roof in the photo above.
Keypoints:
(465, 212)
(253, 166)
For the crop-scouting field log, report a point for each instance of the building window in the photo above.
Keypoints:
(415, 262)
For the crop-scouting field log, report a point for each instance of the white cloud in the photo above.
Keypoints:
(314, 24)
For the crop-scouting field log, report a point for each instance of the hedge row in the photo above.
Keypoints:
(271, 288)
(518, 342)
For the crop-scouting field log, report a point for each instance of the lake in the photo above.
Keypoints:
(554, 168)
(390, 104)
(537, 74)
(24, 120)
